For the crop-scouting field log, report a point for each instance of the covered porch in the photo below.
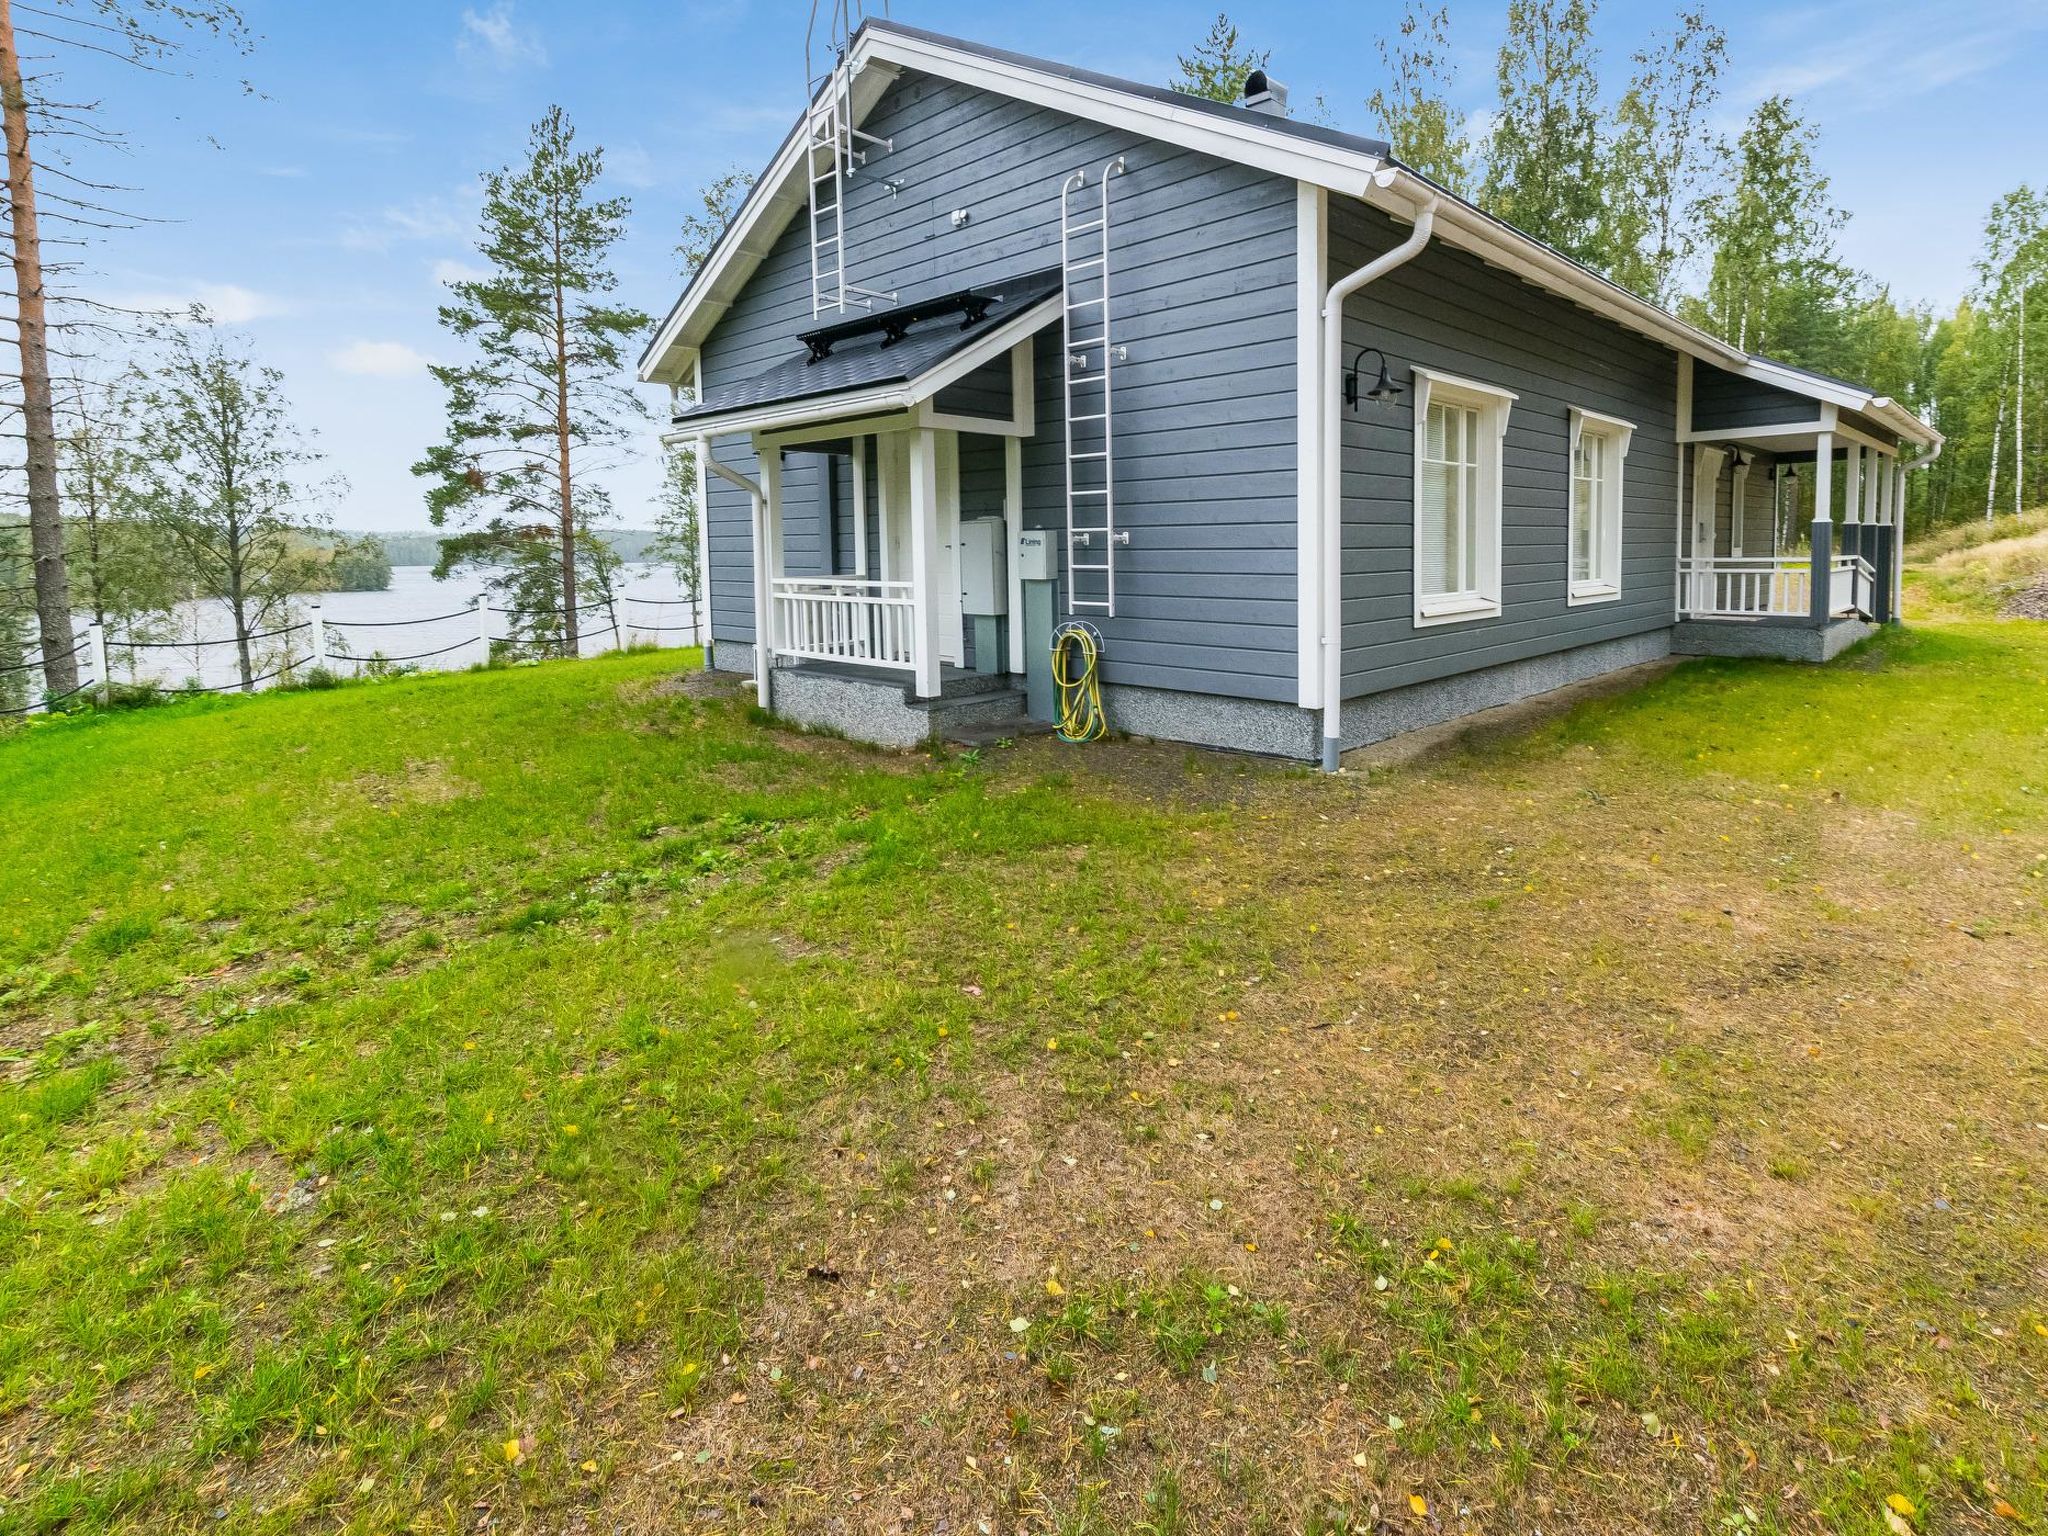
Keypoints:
(1789, 533)
(886, 497)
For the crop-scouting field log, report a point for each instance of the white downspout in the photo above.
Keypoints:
(1331, 500)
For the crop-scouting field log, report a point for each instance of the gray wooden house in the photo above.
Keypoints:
(1322, 451)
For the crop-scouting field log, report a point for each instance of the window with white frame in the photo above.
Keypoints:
(1599, 447)
(1458, 430)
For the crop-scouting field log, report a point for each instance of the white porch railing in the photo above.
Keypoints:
(836, 618)
(1745, 587)
(1760, 587)
(1852, 587)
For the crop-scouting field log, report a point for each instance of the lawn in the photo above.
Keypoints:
(554, 1099)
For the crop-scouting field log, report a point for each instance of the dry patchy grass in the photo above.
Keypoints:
(1633, 1125)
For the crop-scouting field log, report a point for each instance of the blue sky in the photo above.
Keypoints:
(335, 201)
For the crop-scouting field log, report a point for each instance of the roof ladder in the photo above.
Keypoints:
(835, 151)
(1089, 359)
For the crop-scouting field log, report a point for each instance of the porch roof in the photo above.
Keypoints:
(919, 347)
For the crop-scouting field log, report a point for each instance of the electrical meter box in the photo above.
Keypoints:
(984, 570)
(1034, 555)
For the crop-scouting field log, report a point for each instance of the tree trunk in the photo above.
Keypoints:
(237, 608)
(569, 615)
(39, 421)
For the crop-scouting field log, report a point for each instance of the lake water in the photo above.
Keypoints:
(417, 622)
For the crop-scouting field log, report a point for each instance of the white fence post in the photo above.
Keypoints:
(319, 639)
(483, 627)
(96, 637)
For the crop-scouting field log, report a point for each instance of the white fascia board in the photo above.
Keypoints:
(1329, 165)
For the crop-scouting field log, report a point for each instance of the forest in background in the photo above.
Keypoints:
(1617, 160)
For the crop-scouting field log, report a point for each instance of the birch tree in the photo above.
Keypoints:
(1774, 283)
(1544, 163)
(217, 468)
(1662, 154)
(543, 407)
(1413, 109)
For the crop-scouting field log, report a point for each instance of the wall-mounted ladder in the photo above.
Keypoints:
(834, 152)
(1091, 355)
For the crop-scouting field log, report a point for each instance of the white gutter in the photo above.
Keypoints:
(1331, 500)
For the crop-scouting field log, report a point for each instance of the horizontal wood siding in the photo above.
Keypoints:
(1203, 272)
(1722, 401)
(1449, 311)
(984, 392)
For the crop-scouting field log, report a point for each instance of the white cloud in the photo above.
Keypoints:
(227, 303)
(424, 218)
(493, 37)
(446, 272)
(379, 359)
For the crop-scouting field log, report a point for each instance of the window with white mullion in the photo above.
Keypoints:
(1599, 447)
(1459, 426)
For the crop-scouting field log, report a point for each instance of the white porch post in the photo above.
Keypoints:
(1013, 528)
(1852, 483)
(767, 566)
(860, 507)
(924, 557)
(1822, 567)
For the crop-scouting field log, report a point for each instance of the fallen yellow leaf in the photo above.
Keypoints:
(1418, 1503)
(1903, 1505)
(1054, 1288)
(590, 1466)
(2003, 1510)
(512, 1450)
(200, 1373)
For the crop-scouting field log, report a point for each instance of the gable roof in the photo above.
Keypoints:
(922, 353)
(1343, 164)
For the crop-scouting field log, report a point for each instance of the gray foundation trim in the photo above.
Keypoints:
(1211, 720)
(1796, 641)
(1381, 715)
(733, 656)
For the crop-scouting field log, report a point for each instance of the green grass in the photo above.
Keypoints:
(550, 1090)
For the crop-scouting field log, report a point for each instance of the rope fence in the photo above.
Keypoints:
(328, 648)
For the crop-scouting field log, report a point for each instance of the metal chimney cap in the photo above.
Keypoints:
(1262, 93)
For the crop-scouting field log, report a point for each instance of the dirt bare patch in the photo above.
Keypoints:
(420, 782)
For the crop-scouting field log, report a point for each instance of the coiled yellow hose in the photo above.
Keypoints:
(1076, 670)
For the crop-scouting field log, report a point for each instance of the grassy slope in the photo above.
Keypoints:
(1972, 570)
(549, 1094)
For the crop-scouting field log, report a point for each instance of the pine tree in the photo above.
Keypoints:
(720, 200)
(1218, 66)
(1544, 163)
(1412, 109)
(544, 407)
(143, 34)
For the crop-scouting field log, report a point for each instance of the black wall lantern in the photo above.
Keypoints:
(1383, 388)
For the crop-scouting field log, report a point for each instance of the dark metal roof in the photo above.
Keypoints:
(931, 330)
(1286, 127)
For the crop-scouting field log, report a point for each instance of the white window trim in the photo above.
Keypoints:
(1599, 590)
(1495, 404)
